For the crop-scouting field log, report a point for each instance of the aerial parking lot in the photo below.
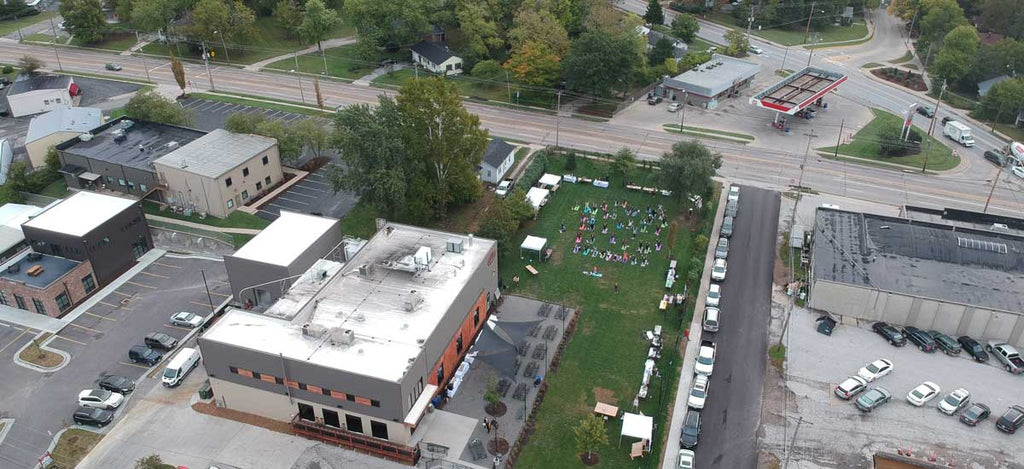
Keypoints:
(98, 341)
(832, 429)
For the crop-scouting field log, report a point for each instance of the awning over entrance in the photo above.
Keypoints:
(421, 404)
(91, 177)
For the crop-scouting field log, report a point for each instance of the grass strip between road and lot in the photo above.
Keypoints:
(236, 219)
(342, 62)
(38, 356)
(872, 65)
(827, 36)
(865, 144)
(73, 445)
(907, 57)
(10, 27)
(704, 130)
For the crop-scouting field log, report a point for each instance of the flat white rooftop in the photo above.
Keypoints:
(286, 238)
(11, 218)
(385, 295)
(80, 213)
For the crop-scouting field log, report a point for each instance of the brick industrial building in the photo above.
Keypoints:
(354, 352)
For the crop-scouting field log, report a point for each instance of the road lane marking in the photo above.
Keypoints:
(70, 340)
(100, 316)
(152, 275)
(140, 284)
(168, 265)
(13, 341)
(86, 328)
(135, 365)
(114, 306)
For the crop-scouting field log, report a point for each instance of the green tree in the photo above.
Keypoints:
(663, 49)
(693, 59)
(366, 50)
(534, 63)
(178, 70)
(52, 160)
(377, 166)
(152, 461)
(123, 8)
(155, 15)
(289, 17)
(654, 13)
(940, 17)
(149, 106)
(956, 58)
(84, 19)
(685, 27)
(288, 143)
(500, 225)
(1004, 17)
(688, 168)
(590, 435)
(30, 64)
(445, 138)
(313, 136)
(209, 19)
(488, 70)
(518, 206)
(393, 22)
(479, 30)
(317, 22)
(738, 43)
(1003, 100)
(598, 63)
(244, 122)
(536, 25)
(622, 163)
(241, 23)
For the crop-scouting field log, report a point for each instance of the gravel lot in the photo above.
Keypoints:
(835, 434)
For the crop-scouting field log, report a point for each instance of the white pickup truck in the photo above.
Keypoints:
(504, 188)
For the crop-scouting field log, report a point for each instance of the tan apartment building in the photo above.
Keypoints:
(220, 171)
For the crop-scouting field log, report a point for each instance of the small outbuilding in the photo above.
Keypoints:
(436, 57)
(57, 126)
(41, 93)
(498, 159)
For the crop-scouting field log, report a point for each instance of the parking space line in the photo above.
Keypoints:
(179, 327)
(86, 328)
(114, 306)
(135, 365)
(13, 341)
(293, 192)
(99, 316)
(152, 274)
(219, 294)
(140, 284)
(205, 305)
(120, 293)
(316, 182)
(70, 340)
(219, 281)
(290, 200)
(167, 265)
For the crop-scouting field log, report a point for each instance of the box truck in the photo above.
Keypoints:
(959, 133)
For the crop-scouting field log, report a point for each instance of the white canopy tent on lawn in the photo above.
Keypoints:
(533, 243)
(537, 197)
(636, 426)
(551, 180)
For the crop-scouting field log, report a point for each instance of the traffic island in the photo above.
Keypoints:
(866, 146)
(37, 356)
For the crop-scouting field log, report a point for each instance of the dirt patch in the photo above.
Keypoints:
(906, 79)
(38, 356)
(497, 446)
(593, 460)
(606, 396)
(780, 273)
(767, 460)
(467, 218)
(210, 408)
(496, 410)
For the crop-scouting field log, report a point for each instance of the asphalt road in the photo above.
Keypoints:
(732, 414)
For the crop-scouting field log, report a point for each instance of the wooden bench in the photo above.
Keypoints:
(531, 270)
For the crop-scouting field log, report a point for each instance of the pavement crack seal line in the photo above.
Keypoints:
(66, 357)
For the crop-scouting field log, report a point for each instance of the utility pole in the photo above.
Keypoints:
(508, 85)
(791, 442)
(225, 44)
(784, 56)
(206, 62)
(55, 52)
(839, 139)
(807, 30)
(931, 126)
(558, 113)
(992, 190)
(810, 53)
(792, 221)
(213, 309)
(298, 74)
(682, 113)
(750, 22)
(144, 64)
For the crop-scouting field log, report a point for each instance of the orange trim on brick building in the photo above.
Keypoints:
(468, 331)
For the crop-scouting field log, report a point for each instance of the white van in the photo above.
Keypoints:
(180, 366)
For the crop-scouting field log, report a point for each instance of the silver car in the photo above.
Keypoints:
(186, 319)
(722, 250)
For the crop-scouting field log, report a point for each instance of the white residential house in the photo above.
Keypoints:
(436, 57)
(38, 94)
(652, 37)
(498, 159)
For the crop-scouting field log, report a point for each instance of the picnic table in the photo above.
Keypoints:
(607, 410)
(530, 269)
(637, 450)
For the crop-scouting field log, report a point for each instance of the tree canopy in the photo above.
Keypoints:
(598, 63)
(685, 26)
(392, 22)
(148, 105)
(654, 14)
(317, 22)
(688, 169)
(84, 19)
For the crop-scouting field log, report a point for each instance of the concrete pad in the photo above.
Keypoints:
(446, 429)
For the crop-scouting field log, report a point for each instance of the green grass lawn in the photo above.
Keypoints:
(907, 57)
(675, 127)
(236, 219)
(117, 42)
(480, 90)
(872, 65)
(865, 145)
(1011, 131)
(8, 27)
(73, 445)
(958, 101)
(606, 355)
(793, 37)
(47, 38)
(361, 220)
(56, 189)
(700, 45)
(270, 41)
(341, 62)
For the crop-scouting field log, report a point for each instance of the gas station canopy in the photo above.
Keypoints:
(798, 90)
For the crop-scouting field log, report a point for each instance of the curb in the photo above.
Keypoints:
(42, 346)
(7, 423)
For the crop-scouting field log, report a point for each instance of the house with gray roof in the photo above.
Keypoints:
(985, 86)
(498, 159)
(219, 172)
(436, 57)
(40, 93)
(57, 126)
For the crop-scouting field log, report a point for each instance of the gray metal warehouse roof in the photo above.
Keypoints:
(923, 259)
(143, 142)
(715, 76)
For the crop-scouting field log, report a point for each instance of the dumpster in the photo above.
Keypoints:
(206, 391)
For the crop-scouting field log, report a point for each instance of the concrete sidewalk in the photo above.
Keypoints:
(327, 44)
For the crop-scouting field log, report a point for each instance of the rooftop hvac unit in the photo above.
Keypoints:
(412, 300)
(85, 137)
(455, 245)
(33, 256)
(366, 270)
(313, 330)
(423, 256)
(119, 135)
(172, 145)
(13, 269)
(341, 336)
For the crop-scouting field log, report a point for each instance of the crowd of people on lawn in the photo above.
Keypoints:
(622, 225)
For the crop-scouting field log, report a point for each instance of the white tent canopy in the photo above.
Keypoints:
(637, 426)
(550, 179)
(533, 243)
(537, 196)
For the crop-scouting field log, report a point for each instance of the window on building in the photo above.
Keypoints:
(257, 375)
(279, 380)
(306, 412)
(259, 185)
(231, 203)
(3, 299)
(266, 160)
(233, 369)
(350, 397)
(58, 100)
(379, 429)
(476, 317)
(267, 180)
(325, 391)
(245, 172)
(20, 301)
(374, 403)
(331, 418)
(110, 180)
(63, 302)
(302, 386)
(88, 283)
(39, 306)
(120, 182)
(142, 187)
(458, 344)
(354, 423)
(245, 195)
(227, 182)
(440, 374)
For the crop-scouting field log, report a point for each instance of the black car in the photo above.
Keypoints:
(143, 354)
(973, 348)
(654, 100)
(1011, 420)
(924, 341)
(889, 333)
(691, 429)
(160, 340)
(946, 343)
(90, 416)
(945, 120)
(997, 158)
(115, 383)
(926, 111)
(975, 414)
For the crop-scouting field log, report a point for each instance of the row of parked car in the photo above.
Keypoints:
(957, 401)
(705, 362)
(930, 341)
(96, 406)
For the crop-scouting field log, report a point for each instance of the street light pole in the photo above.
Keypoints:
(807, 30)
(227, 57)
(992, 190)
(213, 308)
(931, 126)
(206, 63)
(298, 74)
(55, 52)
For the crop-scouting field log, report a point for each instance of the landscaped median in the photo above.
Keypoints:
(714, 134)
(867, 143)
(36, 355)
(73, 445)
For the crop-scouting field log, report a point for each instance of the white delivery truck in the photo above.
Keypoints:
(180, 366)
(959, 133)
